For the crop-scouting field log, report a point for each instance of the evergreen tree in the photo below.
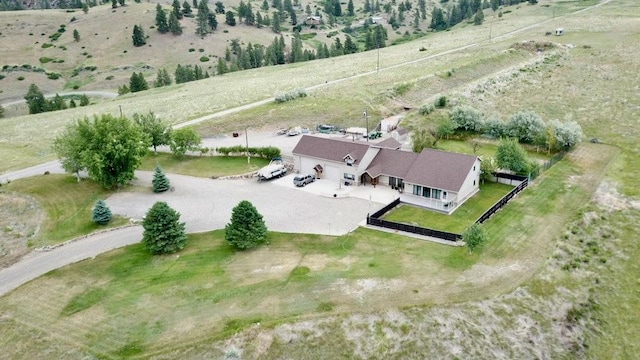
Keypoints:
(337, 8)
(72, 104)
(479, 18)
(114, 4)
(219, 7)
(84, 100)
(35, 100)
(212, 21)
(275, 23)
(247, 229)
(265, 5)
(176, 10)
(121, 2)
(76, 35)
(161, 20)
(186, 9)
(101, 213)
(222, 68)
(138, 36)
(160, 181)
(174, 24)
(349, 46)
(163, 231)
(57, 103)
(495, 4)
(422, 5)
(137, 83)
(85, 8)
(163, 78)
(230, 18)
(202, 18)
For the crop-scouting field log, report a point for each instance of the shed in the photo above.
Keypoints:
(559, 31)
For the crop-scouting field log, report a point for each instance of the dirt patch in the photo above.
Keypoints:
(608, 197)
(263, 264)
(20, 219)
(534, 46)
(362, 288)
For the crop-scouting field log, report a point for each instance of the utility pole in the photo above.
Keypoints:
(246, 138)
(366, 120)
(378, 64)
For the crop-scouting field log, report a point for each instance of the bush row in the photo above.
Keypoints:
(291, 95)
(267, 152)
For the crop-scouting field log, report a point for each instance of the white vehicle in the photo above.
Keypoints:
(272, 171)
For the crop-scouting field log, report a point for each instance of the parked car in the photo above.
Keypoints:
(375, 134)
(293, 132)
(282, 131)
(302, 180)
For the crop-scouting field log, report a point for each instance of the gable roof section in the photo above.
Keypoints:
(388, 143)
(330, 149)
(440, 169)
(396, 163)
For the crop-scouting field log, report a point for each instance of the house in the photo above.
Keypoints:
(433, 179)
(313, 20)
(391, 123)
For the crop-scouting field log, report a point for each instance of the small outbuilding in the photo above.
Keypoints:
(559, 31)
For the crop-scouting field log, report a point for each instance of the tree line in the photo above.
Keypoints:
(37, 103)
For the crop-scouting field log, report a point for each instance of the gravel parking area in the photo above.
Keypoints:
(206, 204)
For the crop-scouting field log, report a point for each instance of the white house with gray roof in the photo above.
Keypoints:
(433, 179)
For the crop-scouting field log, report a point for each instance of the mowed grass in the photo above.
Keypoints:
(461, 219)
(486, 148)
(68, 206)
(203, 166)
(128, 302)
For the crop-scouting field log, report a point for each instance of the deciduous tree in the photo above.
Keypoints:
(158, 131)
(183, 140)
(247, 229)
(163, 231)
(525, 126)
(474, 237)
(69, 146)
(511, 156)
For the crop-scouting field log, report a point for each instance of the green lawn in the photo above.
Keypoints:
(68, 206)
(457, 222)
(203, 166)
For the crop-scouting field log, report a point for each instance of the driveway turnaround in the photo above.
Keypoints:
(206, 204)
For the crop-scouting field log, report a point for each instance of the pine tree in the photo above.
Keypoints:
(350, 11)
(137, 83)
(174, 24)
(138, 36)
(186, 9)
(163, 231)
(349, 46)
(479, 18)
(76, 35)
(35, 100)
(247, 228)
(161, 20)
(160, 181)
(101, 213)
(202, 18)
(213, 21)
(176, 9)
(230, 18)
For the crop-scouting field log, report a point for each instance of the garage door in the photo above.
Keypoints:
(332, 173)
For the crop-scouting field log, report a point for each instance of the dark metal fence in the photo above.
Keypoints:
(502, 202)
(376, 221)
(547, 164)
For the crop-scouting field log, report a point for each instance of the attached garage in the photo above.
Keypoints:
(332, 173)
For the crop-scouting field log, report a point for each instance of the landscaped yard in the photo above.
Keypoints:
(203, 166)
(486, 148)
(457, 222)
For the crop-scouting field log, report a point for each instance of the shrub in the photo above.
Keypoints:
(567, 134)
(268, 152)
(441, 102)
(44, 60)
(467, 118)
(495, 127)
(292, 95)
(46, 45)
(204, 58)
(511, 156)
(525, 126)
(20, 78)
(474, 237)
(426, 109)
(53, 76)
(101, 213)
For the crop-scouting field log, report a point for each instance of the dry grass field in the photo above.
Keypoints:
(557, 279)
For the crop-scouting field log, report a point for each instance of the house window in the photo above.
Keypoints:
(474, 168)
(474, 183)
(444, 195)
(417, 190)
(435, 193)
(349, 176)
(426, 192)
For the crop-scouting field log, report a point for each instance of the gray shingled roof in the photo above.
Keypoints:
(330, 149)
(396, 163)
(388, 143)
(440, 169)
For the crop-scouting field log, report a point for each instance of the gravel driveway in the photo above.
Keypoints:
(206, 204)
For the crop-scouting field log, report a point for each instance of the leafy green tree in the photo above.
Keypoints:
(160, 181)
(247, 229)
(112, 149)
(183, 140)
(511, 156)
(163, 231)
(174, 24)
(35, 100)
(474, 237)
(69, 146)
(76, 35)
(161, 20)
(420, 140)
(467, 118)
(488, 167)
(158, 131)
(138, 36)
(230, 18)
(525, 126)
(137, 83)
(101, 213)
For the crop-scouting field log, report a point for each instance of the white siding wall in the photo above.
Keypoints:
(471, 184)
(408, 197)
(331, 170)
